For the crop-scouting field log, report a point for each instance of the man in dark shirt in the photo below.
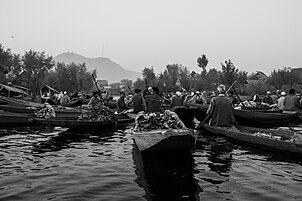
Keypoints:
(121, 105)
(154, 101)
(220, 109)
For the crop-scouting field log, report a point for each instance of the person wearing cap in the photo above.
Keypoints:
(268, 99)
(177, 100)
(291, 103)
(221, 110)
(280, 102)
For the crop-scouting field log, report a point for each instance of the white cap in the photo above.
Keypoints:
(178, 93)
(268, 92)
(283, 93)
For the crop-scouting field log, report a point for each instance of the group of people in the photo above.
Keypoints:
(287, 103)
(149, 101)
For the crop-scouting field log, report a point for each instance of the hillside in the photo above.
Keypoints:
(106, 69)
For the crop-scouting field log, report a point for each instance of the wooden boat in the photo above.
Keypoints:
(9, 119)
(281, 140)
(62, 112)
(251, 117)
(76, 125)
(248, 117)
(18, 102)
(165, 140)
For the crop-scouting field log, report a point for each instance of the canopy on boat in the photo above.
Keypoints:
(48, 88)
(11, 89)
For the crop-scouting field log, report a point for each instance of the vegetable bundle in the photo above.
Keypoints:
(156, 120)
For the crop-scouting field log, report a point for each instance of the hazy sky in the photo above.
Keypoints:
(254, 34)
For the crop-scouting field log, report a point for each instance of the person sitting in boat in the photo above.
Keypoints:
(94, 100)
(280, 102)
(65, 99)
(221, 110)
(268, 99)
(137, 101)
(256, 97)
(120, 104)
(177, 100)
(234, 100)
(154, 101)
(291, 103)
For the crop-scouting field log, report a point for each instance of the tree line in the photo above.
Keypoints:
(35, 69)
(177, 77)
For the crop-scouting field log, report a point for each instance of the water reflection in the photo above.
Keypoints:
(168, 176)
(66, 138)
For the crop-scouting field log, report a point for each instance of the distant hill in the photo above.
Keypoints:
(106, 69)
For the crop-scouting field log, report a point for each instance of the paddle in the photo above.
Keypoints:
(236, 94)
(130, 89)
(227, 91)
(95, 83)
(203, 122)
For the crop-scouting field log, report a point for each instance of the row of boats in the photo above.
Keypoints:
(15, 112)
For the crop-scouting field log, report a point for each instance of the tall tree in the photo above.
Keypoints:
(229, 72)
(34, 68)
(202, 62)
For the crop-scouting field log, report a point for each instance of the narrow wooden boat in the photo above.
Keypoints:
(165, 140)
(282, 140)
(251, 117)
(76, 125)
(60, 112)
(18, 102)
(9, 119)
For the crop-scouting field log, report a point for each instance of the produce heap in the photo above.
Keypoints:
(45, 111)
(97, 113)
(156, 120)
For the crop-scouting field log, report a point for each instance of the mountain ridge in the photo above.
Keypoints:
(105, 67)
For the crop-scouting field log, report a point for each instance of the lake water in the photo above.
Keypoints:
(49, 164)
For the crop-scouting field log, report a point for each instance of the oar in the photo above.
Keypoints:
(130, 89)
(203, 122)
(227, 91)
(95, 83)
(237, 95)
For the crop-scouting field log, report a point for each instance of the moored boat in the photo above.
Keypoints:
(76, 125)
(275, 139)
(165, 140)
(251, 117)
(62, 112)
(9, 119)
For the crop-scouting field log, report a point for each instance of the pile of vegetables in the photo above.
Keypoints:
(97, 113)
(45, 111)
(156, 120)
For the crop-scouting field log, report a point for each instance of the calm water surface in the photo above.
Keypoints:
(52, 164)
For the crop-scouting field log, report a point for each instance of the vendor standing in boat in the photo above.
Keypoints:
(220, 109)
(291, 103)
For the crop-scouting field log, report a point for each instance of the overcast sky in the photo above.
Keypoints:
(254, 34)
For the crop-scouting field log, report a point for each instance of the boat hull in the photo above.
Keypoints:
(250, 117)
(165, 140)
(247, 135)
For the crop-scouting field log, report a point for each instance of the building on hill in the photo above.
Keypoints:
(102, 83)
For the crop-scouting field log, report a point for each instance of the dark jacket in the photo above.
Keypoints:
(221, 112)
